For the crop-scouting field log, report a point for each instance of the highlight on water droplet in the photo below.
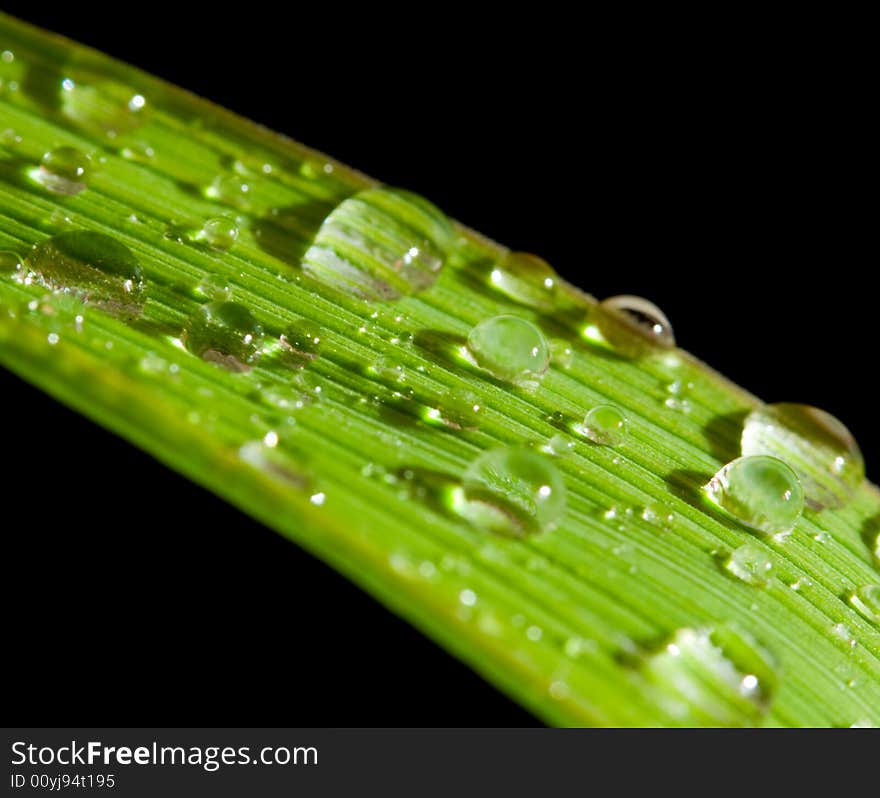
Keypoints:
(867, 601)
(760, 491)
(225, 333)
(219, 233)
(92, 266)
(634, 326)
(380, 244)
(510, 348)
(821, 450)
(605, 425)
(513, 491)
(714, 676)
(526, 279)
(750, 564)
(64, 170)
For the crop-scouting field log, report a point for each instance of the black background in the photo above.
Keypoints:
(724, 173)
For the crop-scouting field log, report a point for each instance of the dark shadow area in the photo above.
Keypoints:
(723, 433)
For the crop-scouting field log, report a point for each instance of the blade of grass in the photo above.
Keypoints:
(354, 468)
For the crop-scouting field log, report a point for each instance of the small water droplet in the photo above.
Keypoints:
(215, 287)
(843, 633)
(230, 189)
(301, 341)
(717, 676)
(224, 333)
(658, 515)
(10, 262)
(96, 268)
(467, 597)
(867, 601)
(561, 353)
(102, 106)
(560, 445)
(750, 564)
(527, 279)
(64, 170)
(605, 425)
(219, 233)
(634, 326)
(761, 492)
(381, 243)
(514, 491)
(510, 348)
(456, 409)
(816, 445)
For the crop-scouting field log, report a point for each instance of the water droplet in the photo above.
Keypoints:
(715, 676)
(761, 492)
(816, 445)
(843, 633)
(560, 445)
(513, 491)
(94, 267)
(510, 348)
(214, 287)
(301, 342)
(224, 333)
(64, 170)
(10, 262)
(220, 233)
(101, 106)
(605, 425)
(561, 353)
(456, 409)
(633, 325)
(750, 564)
(527, 279)
(658, 515)
(867, 601)
(231, 189)
(380, 244)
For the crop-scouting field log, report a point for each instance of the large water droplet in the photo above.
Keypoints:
(512, 491)
(633, 325)
(816, 445)
(714, 677)
(224, 333)
(94, 267)
(510, 348)
(761, 492)
(605, 425)
(220, 233)
(527, 279)
(750, 564)
(867, 601)
(380, 244)
(64, 170)
(100, 105)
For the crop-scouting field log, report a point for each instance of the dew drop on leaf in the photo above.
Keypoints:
(380, 244)
(816, 445)
(867, 601)
(225, 333)
(605, 425)
(761, 492)
(64, 170)
(634, 326)
(750, 564)
(715, 676)
(97, 268)
(101, 105)
(510, 348)
(219, 233)
(526, 279)
(10, 262)
(512, 491)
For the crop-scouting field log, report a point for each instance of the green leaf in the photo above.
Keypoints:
(298, 339)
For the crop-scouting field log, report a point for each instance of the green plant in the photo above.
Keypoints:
(345, 364)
